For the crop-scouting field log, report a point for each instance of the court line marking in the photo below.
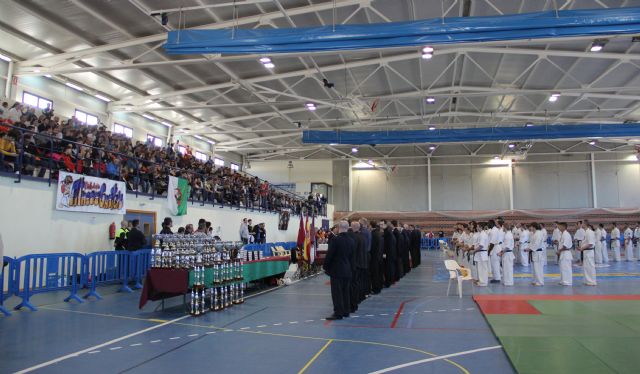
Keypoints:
(95, 347)
(437, 358)
(315, 357)
(135, 344)
(114, 348)
(155, 341)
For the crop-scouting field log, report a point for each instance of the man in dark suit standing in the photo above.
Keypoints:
(416, 237)
(375, 264)
(361, 265)
(390, 255)
(400, 250)
(406, 258)
(339, 265)
(135, 237)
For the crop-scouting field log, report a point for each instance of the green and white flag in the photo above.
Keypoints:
(178, 195)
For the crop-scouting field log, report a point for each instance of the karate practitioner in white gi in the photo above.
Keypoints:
(566, 258)
(636, 240)
(577, 239)
(545, 236)
(603, 240)
(615, 242)
(536, 253)
(555, 239)
(524, 246)
(481, 257)
(507, 256)
(598, 245)
(587, 249)
(628, 243)
(495, 248)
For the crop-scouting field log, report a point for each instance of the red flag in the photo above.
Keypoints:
(301, 235)
(312, 249)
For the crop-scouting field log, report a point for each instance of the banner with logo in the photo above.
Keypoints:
(82, 193)
(178, 196)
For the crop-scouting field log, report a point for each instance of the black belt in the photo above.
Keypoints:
(508, 251)
(539, 250)
(500, 243)
(588, 249)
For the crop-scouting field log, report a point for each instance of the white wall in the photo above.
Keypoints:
(303, 173)
(30, 223)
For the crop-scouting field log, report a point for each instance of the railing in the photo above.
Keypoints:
(431, 243)
(6, 287)
(265, 248)
(89, 160)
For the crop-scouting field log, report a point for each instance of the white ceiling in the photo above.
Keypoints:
(114, 47)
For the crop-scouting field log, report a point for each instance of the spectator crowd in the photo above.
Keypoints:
(33, 140)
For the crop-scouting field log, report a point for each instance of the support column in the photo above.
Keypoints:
(429, 181)
(510, 166)
(350, 186)
(594, 193)
(7, 86)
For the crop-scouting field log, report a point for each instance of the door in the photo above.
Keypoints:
(147, 223)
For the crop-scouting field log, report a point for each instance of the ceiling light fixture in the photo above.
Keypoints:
(5, 58)
(48, 75)
(496, 157)
(212, 142)
(427, 53)
(103, 98)
(166, 124)
(266, 61)
(554, 97)
(529, 124)
(430, 99)
(311, 106)
(598, 45)
(149, 117)
(75, 87)
(432, 128)
(432, 147)
(511, 145)
(592, 142)
(354, 150)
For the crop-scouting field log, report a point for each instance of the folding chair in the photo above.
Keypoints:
(455, 272)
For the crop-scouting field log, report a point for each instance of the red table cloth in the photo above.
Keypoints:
(164, 283)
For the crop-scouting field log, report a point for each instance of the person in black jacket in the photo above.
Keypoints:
(399, 250)
(375, 264)
(416, 237)
(135, 238)
(361, 265)
(390, 255)
(339, 265)
(406, 239)
(166, 226)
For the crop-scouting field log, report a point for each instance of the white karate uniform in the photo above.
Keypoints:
(494, 238)
(636, 236)
(536, 256)
(598, 246)
(545, 236)
(615, 244)
(455, 239)
(474, 266)
(628, 244)
(482, 259)
(605, 250)
(516, 246)
(555, 238)
(524, 245)
(566, 274)
(588, 264)
(507, 259)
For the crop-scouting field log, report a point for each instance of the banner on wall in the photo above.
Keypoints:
(82, 193)
(178, 196)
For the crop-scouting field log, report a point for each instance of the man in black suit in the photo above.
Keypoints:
(406, 259)
(339, 265)
(400, 250)
(375, 263)
(390, 255)
(361, 265)
(135, 237)
(416, 237)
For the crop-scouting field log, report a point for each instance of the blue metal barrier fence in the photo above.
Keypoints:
(432, 243)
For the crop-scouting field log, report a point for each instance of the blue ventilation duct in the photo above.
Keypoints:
(541, 25)
(540, 132)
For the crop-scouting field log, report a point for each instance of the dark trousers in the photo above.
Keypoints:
(355, 290)
(399, 269)
(366, 283)
(415, 257)
(340, 294)
(406, 264)
(389, 272)
(375, 269)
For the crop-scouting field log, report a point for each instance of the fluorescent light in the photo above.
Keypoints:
(592, 142)
(432, 128)
(48, 75)
(198, 137)
(553, 98)
(511, 145)
(427, 56)
(598, 45)
(529, 124)
(74, 86)
(103, 98)
(430, 100)
(432, 147)
(497, 161)
(166, 124)
(269, 65)
(333, 143)
(5, 58)
(354, 150)
(496, 157)
(362, 165)
(370, 162)
(149, 117)
(211, 142)
(265, 60)
(311, 106)
(427, 49)
(555, 95)
(633, 157)
(37, 70)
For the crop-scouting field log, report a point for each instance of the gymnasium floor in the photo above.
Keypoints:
(283, 331)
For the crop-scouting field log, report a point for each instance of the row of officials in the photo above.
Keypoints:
(363, 259)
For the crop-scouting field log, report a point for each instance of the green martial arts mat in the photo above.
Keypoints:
(251, 271)
(567, 334)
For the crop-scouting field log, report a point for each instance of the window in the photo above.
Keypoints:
(154, 140)
(201, 156)
(120, 129)
(235, 167)
(218, 161)
(36, 101)
(182, 150)
(87, 118)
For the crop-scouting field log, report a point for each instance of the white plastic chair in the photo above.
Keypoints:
(454, 273)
